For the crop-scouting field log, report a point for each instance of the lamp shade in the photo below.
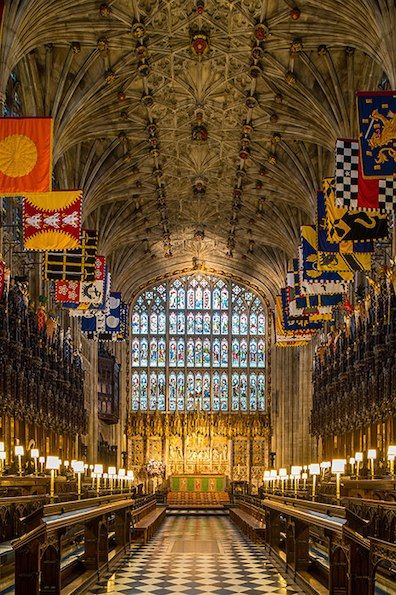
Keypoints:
(19, 451)
(98, 469)
(2, 455)
(273, 474)
(371, 453)
(111, 471)
(1, 446)
(295, 471)
(325, 465)
(34, 453)
(130, 474)
(352, 460)
(358, 457)
(78, 466)
(52, 463)
(42, 460)
(121, 473)
(66, 463)
(314, 468)
(282, 473)
(266, 475)
(392, 450)
(338, 465)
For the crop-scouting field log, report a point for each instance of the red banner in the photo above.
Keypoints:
(52, 220)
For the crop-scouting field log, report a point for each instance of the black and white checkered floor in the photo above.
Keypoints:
(197, 554)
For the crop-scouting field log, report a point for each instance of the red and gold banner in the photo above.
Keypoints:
(25, 155)
(52, 220)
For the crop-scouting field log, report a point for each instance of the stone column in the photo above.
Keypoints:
(291, 405)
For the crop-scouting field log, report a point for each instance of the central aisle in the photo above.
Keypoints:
(197, 554)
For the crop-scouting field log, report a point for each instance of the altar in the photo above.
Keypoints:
(197, 483)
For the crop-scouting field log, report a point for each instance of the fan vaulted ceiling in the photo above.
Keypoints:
(199, 131)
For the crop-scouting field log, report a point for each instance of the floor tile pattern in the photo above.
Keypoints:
(193, 555)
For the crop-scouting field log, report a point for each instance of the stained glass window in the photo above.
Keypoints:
(198, 343)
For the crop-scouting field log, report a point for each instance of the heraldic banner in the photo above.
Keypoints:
(25, 155)
(52, 220)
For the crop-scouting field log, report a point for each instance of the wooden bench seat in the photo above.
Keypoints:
(254, 528)
(147, 525)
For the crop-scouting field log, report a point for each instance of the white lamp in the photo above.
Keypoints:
(372, 455)
(19, 452)
(111, 473)
(78, 468)
(358, 459)
(266, 479)
(391, 458)
(121, 477)
(324, 465)
(314, 469)
(34, 453)
(338, 467)
(52, 464)
(98, 470)
(282, 476)
(2, 461)
(295, 473)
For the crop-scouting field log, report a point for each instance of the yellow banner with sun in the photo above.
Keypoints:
(25, 155)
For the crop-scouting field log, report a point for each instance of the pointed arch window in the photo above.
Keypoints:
(198, 343)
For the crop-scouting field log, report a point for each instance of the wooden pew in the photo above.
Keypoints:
(147, 521)
(250, 520)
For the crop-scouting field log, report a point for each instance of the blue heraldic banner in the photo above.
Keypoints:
(308, 304)
(377, 138)
(296, 323)
(110, 325)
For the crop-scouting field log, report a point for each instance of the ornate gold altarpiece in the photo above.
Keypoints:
(232, 444)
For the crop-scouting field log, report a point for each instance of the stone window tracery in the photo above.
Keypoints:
(198, 343)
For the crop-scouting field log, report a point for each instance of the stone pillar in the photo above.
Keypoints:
(291, 405)
(90, 352)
